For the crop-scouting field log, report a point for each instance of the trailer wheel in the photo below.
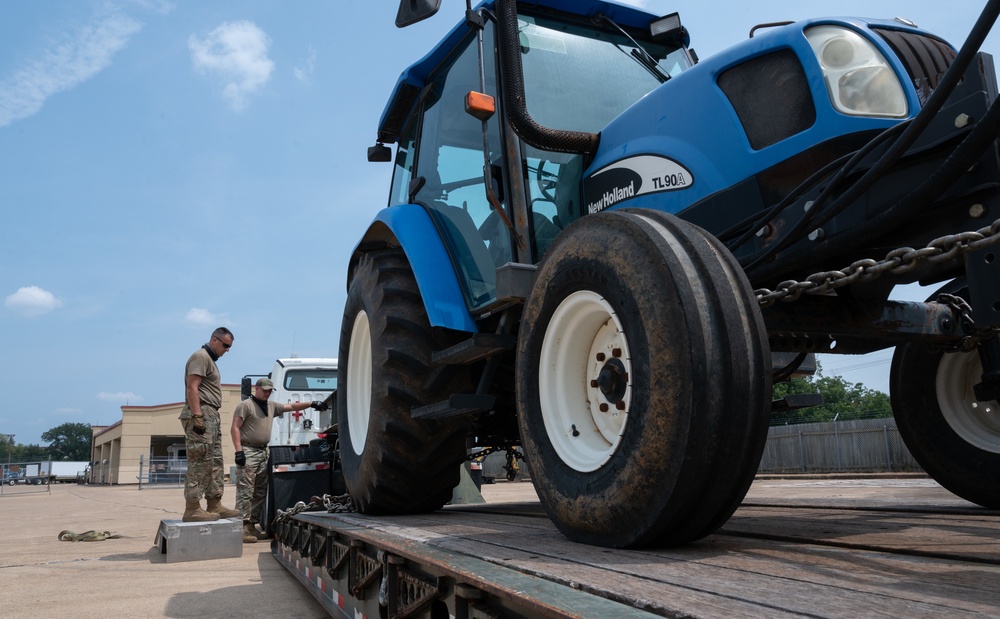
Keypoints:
(954, 437)
(393, 464)
(643, 383)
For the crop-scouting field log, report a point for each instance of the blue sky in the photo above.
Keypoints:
(168, 167)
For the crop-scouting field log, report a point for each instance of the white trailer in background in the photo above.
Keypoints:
(63, 471)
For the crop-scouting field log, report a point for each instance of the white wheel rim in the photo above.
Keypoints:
(359, 382)
(977, 423)
(584, 426)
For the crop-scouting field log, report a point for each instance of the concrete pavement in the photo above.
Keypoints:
(128, 577)
(41, 576)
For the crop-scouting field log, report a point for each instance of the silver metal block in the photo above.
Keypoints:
(198, 541)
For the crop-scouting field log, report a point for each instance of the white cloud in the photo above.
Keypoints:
(32, 301)
(304, 73)
(75, 58)
(236, 53)
(203, 318)
(127, 397)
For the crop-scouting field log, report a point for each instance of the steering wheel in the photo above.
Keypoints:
(544, 185)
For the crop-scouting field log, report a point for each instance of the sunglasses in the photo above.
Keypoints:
(225, 345)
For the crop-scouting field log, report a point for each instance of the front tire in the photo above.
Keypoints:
(643, 381)
(392, 463)
(954, 437)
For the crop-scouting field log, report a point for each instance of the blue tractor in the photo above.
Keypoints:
(596, 245)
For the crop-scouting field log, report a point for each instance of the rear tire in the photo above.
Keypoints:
(955, 438)
(641, 308)
(392, 463)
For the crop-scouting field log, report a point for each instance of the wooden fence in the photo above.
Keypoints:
(855, 446)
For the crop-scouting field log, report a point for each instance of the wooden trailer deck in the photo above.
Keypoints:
(807, 548)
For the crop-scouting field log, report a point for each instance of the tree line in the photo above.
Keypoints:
(841, 400)
(68, 442)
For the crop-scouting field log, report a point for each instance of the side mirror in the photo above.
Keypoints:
(245, 388)
(379, 153)
(412, 11)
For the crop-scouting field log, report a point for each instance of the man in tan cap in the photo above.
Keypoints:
(251, 432)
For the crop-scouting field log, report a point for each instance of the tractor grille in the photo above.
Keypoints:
(926, 59)
(771, 97)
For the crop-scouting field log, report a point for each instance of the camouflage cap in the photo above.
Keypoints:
(265, 383)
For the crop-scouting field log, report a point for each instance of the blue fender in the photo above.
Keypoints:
(411, 227)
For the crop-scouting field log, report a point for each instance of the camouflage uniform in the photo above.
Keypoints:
(204, 451)
(255, 434)
(251, 484)
(204, 455)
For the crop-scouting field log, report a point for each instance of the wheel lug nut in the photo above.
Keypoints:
(600, 356)
(620, 405)
(617, 352)
(604, 408)
(593, 383)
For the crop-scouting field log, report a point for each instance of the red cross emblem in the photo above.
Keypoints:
(297, 415)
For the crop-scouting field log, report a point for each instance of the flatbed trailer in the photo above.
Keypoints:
(860, 549)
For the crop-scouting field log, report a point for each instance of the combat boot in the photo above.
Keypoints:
(248, 533)
(250, 526)
(215, 507)
(194, 513)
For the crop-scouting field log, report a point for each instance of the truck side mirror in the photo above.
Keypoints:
(412, 11)
(245, 388)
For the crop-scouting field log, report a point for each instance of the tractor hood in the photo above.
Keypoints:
(746, 110)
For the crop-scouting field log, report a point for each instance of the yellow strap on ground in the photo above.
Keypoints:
(88, 536)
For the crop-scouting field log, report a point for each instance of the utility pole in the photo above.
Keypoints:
(10, 451)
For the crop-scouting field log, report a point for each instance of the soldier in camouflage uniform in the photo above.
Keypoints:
(203, 432)
(251, 432)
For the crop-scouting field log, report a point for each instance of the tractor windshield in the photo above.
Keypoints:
(580, 77)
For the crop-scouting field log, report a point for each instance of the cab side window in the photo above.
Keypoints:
(450, 162)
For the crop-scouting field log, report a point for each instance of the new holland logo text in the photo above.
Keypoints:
(632, 177)
(611, 197)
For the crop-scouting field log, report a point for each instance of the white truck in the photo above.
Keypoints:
(298, 380)
(38, 473)
(59, 472)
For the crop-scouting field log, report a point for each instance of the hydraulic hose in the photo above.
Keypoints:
(885, 220)
(958, 163)
(922, 120)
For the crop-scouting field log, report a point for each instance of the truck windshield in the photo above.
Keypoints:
(310, 380)
(580, 77)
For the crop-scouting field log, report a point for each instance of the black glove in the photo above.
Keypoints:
(319, 405)
(241, 458)
(198, 425)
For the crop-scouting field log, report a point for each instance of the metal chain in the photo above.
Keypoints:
(298, 508)
(332, 504)
(897, 261)
(340, 504)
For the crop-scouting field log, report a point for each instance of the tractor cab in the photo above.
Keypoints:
(493, 197)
